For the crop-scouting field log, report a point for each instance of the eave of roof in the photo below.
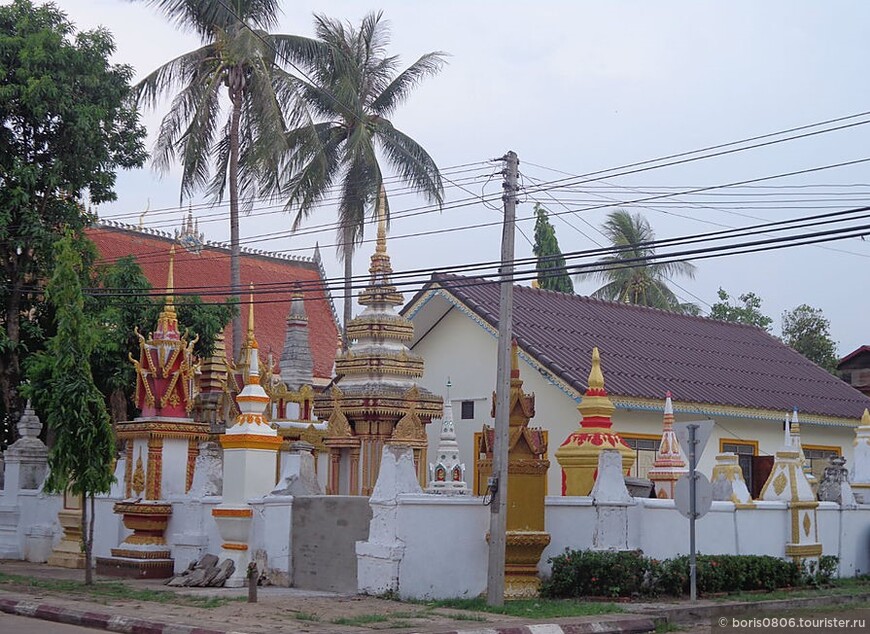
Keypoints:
(711, 364)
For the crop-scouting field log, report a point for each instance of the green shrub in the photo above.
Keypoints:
(624, 574)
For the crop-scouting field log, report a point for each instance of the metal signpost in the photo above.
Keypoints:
(693, 494)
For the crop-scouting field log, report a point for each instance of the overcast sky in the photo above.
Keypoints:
(579, 87)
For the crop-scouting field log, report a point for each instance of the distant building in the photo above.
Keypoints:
(203, 267)
(855, 369)
(738, 375)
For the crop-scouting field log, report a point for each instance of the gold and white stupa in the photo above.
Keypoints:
(377, 399)
(669, 465)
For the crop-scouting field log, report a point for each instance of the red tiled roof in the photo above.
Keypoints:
(211, 268)
(645, 351)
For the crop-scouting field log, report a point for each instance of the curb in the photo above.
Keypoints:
(629, 625)
(98, 620)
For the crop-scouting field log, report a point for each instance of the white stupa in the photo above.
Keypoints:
(447, 473)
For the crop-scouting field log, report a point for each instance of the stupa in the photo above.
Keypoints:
(669, 465)
(795, 443)
(578, 455)
(291, 389)
(526, 538)
(250, 463)
(447, 473)
(861, 469)
(161, 445)
(377, 399)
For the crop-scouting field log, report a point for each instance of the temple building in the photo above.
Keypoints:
(377, 398)
(205, 267)
(738, 375)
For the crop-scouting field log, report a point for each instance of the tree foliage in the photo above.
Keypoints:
(806, 330)
(631, 274)
(226, 123)
(81, 457)
(747, 311)
(355, 87)
(66, 126)
(550, 266)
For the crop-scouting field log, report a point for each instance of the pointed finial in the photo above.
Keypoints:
(251, 313)
(865, 419)
(449, 385)
(669, 405)
(787, 432)
(170, 281)
(596, 378)
(381, 245)
(515, 361)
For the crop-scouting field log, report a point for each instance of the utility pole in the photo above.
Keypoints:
(499, 480)
(693, 513)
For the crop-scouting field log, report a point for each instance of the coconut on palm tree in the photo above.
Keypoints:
(630, 275)
(351, 87)
(227, 119)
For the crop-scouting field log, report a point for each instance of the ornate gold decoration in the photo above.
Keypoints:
(779, 483)
(807, 524)
(219, 512)
(234, 546)
(154, 470)
(410, 427)
(138, 475)
(338, 425)
(250, 441)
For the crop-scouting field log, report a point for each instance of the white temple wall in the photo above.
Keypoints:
(191, 531)
(30, 527)
(271, 537)
(446, 552)
(174, 467)
(109, 531)
(470, 362)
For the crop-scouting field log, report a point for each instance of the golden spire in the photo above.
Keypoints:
(252, 341)
(515, 360)
(170, 282)
(596, 378)
(596, 407)
(865, 419)
(381, 245)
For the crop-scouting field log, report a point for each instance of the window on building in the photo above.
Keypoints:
(745, 450)
(817, 458)
(645, 453)
(467, 410)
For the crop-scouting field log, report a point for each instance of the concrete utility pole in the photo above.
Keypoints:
(499, 481)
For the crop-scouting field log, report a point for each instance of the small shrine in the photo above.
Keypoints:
(788, 483)
(250, 461)
(669, 465)
(526, 538)
(578, 455)
(447, 473)
(161, 445)
(376, 400)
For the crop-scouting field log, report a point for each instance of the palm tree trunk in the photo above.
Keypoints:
(235, 249)
(348, 290)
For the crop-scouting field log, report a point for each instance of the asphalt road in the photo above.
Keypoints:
(23, 625)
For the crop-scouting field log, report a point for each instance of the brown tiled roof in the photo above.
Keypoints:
(853, 356)
(645, 352)
(211, 268)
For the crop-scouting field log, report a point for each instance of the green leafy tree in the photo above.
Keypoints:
(66, 126)
(80, 459)
(806, 330)
(552, 274)
(630, 274)
(355, 87)
(747, 311)
(223, 145)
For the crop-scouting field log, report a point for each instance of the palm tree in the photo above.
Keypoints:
(627, 277)
(223, 145)
(351, 87)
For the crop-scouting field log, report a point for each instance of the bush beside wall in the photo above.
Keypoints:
(583, 573)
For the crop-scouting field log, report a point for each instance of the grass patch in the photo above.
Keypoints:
(362, 619)
(840, 587)
(104, 590)
(459, 616)
(401, 624)
(306, 616)
(535, 608)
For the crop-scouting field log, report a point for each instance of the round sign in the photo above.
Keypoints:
(703, 495)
